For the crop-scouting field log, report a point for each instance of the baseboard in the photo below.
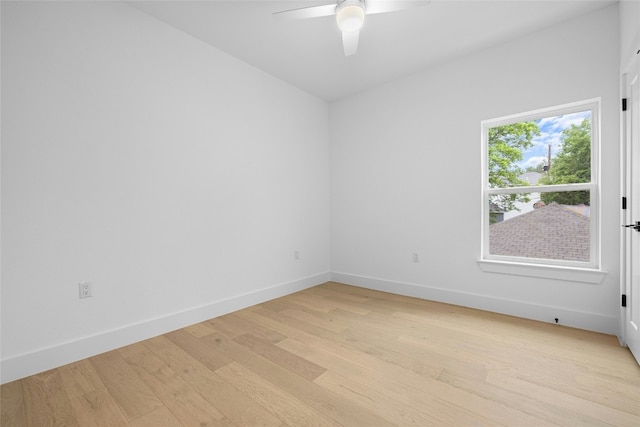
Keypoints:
(567, 317)
(48, 358)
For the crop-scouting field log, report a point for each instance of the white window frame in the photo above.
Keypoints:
(565, 270)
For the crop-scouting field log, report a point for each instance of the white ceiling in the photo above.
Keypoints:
(308, 53)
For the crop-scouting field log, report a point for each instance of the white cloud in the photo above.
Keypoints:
(558, 123)
(551, 132)
(541, 144)
(532, 161)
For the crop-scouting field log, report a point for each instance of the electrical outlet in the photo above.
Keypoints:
(296, 255)
(415, 257)
(85, 290)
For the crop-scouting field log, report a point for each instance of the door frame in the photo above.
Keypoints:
(625, 184)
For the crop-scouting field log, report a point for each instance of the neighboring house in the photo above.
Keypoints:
(555, 231)
(531, 178)
(497, 213)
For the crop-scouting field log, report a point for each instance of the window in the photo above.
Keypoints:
(541, 187)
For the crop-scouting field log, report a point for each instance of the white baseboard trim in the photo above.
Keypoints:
(567, 317)
(48, 358)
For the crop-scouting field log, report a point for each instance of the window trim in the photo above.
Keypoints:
(545, 271)
(545, 267)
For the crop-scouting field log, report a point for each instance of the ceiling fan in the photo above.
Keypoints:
(350, 15)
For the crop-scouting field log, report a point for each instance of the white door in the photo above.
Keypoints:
(631, 216)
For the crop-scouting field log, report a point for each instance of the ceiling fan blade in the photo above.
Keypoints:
(384, 6)
(350, 42)
(307, 12)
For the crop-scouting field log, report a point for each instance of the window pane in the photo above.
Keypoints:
(536, 228)
(546, 151)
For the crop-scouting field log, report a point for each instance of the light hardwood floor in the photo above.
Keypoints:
(337, 355)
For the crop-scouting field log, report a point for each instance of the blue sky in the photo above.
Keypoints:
(550, 133)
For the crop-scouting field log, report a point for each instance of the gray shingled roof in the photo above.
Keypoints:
(550, 232)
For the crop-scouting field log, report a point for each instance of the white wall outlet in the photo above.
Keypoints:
(296, 255)
(415, 257)
(85, 290)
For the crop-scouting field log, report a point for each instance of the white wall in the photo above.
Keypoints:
(406, 173)
(179, 180)
(629, 29)
(176, 179)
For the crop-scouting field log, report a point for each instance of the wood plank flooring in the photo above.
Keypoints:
(336, 355)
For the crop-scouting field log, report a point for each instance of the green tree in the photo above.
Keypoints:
(506, 145)
(571, 165)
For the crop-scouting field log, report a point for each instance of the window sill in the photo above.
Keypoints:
(572, 274)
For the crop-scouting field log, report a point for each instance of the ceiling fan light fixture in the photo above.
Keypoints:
(350, 15)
